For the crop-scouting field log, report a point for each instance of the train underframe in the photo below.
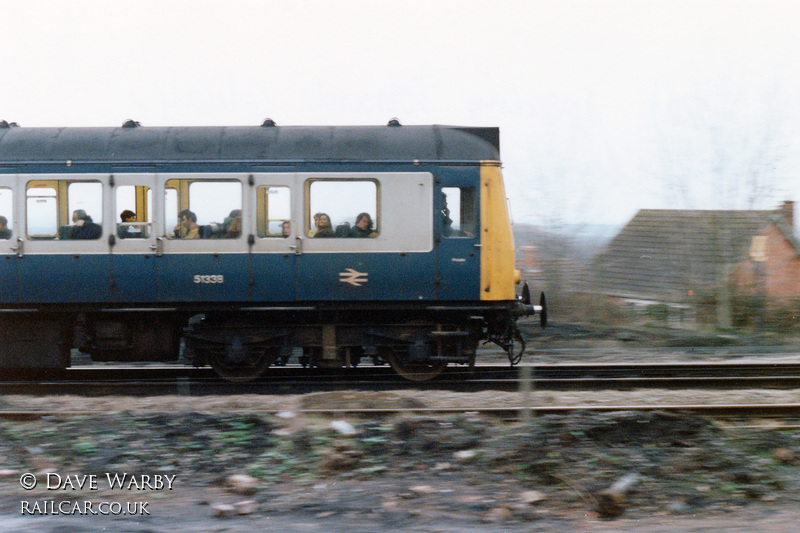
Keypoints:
(241, 344)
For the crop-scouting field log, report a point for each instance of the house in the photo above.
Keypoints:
(680, 257)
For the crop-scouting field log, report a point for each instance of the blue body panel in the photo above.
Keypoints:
(273, 277)
(235, 278)
(459, 269)
(9, 284)
(65, 278)
(222, 278)
(135, 278)
(354, 277)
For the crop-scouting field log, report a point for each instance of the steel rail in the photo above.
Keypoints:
(191, 381)
(725, 410)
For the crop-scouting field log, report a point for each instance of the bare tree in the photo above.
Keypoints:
(722, 153)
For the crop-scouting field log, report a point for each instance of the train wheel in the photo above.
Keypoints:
(415, 371)
(256, 364)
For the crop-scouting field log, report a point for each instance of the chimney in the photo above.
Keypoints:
(787, 210)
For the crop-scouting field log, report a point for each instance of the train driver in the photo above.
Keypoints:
(447, 222)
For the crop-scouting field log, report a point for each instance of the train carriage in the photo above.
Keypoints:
(134, 243)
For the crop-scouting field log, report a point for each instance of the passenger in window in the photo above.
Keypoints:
(85, 228)
(5, 233)
(314, 231)
(187, 228)
(127, 231)
(232, 225)
(234, 229)
(343, 229)
(363, 228)
(286, 229)
(325, 228)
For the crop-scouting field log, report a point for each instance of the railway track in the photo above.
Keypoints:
(185, 380)
(150, 381)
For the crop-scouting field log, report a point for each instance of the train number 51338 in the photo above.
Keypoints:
(209, 279)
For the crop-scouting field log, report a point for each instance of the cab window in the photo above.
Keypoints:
(459, 212)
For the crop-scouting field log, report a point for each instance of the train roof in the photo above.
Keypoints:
(270, 143)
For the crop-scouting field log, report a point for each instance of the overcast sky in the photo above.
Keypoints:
(604, 107)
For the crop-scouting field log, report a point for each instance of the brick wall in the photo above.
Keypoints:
(772, 271)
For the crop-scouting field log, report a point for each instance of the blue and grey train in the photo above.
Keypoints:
(241, 246)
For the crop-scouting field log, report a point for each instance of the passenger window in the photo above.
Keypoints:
(133, 208)
(42, 212)
(274, 212)
(459, 212)
(171, 208)
(85, 205)
(342, 208)
(64, 210)
(6, 213)
(214, 210)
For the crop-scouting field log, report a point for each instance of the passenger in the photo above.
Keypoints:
(232, 225)
(126, 231)
(234, 228)
(343, 229)
(286, 229)
(325, 228)
(85, 228)
(5, 233)
(314, 231)
(187, 228)
(363, 227)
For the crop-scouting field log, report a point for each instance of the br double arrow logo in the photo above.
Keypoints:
(353, 277)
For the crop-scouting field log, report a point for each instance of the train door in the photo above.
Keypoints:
(65, 246)
(133, 261)
(459, 244)
(278, 237)
(202, 248)
(9, 245)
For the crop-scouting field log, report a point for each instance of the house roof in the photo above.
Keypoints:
(664, 254)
